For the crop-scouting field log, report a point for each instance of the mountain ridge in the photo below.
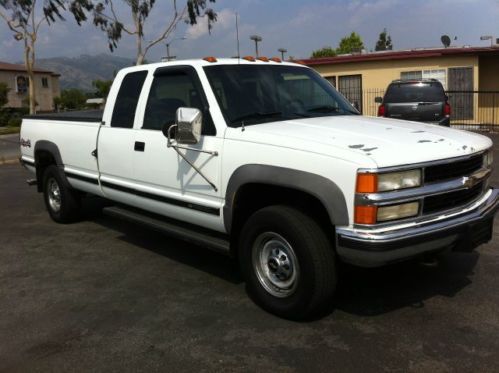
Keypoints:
(79, 72)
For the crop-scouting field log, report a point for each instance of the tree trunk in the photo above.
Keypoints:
(139, 35)
(29, 61)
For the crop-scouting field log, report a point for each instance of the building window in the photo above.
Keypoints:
(411, 75)
(332, 80)
(22, 84)
(350, 86)
(45, 83)
(439, 74)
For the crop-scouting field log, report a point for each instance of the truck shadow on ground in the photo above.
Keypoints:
(371, 292)
(362, 292)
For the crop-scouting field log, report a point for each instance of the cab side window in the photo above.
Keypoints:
(126, 101)
(170, 92)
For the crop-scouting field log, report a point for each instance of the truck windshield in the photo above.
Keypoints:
(260, 94)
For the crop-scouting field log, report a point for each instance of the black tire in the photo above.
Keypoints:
(302, 296)
(69, 199)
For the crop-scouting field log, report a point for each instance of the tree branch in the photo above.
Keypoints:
(173, 24)
(115, 19)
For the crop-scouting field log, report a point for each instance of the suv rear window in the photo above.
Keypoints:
(414, 92)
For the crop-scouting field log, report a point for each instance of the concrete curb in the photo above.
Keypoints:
(8, 161)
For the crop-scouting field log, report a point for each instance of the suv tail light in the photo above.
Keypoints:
(447, 110)
(381, 110)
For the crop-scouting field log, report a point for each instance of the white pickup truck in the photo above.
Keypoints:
(267, 162)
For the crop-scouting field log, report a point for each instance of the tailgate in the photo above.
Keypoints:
(417, 111)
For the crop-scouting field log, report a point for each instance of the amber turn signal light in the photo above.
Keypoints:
(367, 183)
(365, 214)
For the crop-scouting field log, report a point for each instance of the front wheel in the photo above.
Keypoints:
(62, 202)
(288, 262)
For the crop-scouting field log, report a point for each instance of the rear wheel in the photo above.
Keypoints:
(62, 202)
(288, 262)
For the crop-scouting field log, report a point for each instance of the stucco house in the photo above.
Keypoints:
(16, 78)
(470, 75)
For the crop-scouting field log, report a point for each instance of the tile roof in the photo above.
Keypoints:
(401, 55)
(5, 66)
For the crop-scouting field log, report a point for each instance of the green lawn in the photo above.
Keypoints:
(8, 130)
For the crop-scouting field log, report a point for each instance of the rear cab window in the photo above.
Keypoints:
(127, 99)
(414, 92)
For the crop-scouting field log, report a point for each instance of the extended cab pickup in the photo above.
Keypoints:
(266, 161)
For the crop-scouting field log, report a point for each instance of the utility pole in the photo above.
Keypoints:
(256, 39)
(168, 56)
(282, 50)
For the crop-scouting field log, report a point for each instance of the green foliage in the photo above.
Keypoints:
(70, 99)
(12, 116)
(350, 44)
(102, 88)
(384, 42)
(4, 90)
(14, 121)
(324, 52)
(106, 19)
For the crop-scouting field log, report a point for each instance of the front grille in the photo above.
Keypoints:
(453, 170)
(448, 201)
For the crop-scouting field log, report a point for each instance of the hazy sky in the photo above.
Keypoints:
(299, 26)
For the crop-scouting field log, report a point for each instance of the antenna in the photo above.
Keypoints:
(237, 38)
(445, 39)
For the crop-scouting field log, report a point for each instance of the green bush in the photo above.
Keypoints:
(14, 121)
(12, 115)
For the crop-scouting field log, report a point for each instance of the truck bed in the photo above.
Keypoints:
(71, 116)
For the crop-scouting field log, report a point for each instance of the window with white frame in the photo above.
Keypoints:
(438, 74)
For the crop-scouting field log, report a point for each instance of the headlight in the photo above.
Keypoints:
(399, 180)
(404, 210)
(372, 183)
(488, 159)
(377, 214)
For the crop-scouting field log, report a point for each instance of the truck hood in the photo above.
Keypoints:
(386, 142)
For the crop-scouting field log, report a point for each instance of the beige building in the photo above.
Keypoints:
(469, 75)
(16, 78)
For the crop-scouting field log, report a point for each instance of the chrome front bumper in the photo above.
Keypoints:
(462, 230)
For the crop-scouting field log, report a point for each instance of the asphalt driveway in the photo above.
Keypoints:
(105, 295)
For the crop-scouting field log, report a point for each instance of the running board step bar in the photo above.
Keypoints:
(187, 232)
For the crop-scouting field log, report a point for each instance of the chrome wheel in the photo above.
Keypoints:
(275, 264)
(54, 195)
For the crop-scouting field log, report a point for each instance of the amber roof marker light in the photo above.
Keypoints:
(249, 58)
(210, 59)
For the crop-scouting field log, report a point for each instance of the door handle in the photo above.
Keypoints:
(139, 146)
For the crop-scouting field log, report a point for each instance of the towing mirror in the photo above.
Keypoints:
(189, 123)
(378, 100)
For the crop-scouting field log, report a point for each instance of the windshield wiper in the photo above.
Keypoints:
(329, 109)
(323, 109)
(256, 115)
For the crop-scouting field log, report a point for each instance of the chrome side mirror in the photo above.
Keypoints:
(189, 123)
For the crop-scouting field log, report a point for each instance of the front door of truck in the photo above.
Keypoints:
(167, 183)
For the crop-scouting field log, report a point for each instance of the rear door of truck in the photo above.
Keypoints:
(116, 139)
